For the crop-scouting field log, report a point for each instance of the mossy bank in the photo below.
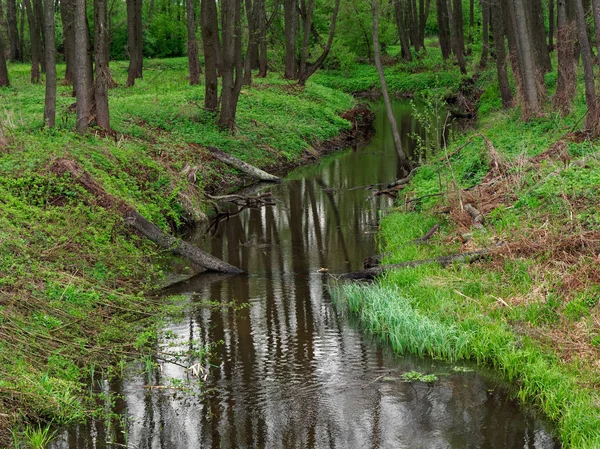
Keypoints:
(531, 309)
(73, 279)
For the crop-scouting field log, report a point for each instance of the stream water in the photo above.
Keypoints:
(287, 369)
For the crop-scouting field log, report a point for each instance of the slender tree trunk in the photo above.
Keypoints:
(290, 21)
(592, 121)
(101, 55)
(495, 10)
(50, 53)
(444, 28)
(527, 62)
(22, 30)
(307, 8)
(209, 25)
(457, 33)
(83, 72)
(13, 32)
(596, 10)
(4, 80)
(566, 83)
(485, 33)
(251, 60)
(537, 32)
(402, 158)
(38, 17)
(192, 44)
(423, 14)
(400, 24)
(261, 24)
(551, 22)
(232, 76)
(312, 68)
(67, 8)
(36, 47)
(134, 41)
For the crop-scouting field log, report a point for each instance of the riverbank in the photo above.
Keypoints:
(72, 277)
(527, 192)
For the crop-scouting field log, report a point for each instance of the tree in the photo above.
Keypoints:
(210, 28)
(551, 22)
(596, 11)
(485, 33)
(4, 80)
(101, 57)
(444, 28)
(290, 20)
(50, 55)
(13, 33)
(67, 9)
(83, 69)
(232, 77)
(192, 44)
(307, 70)
(495, 11)
(566, 83)
(457, 33)
(402, 158)
(402, 32)
(36, 44)
(134, 41)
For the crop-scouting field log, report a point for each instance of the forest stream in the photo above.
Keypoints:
(288, 368)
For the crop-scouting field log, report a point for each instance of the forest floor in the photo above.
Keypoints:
(73, 279)
(531, 309)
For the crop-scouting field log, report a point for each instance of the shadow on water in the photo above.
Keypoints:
(287, 369)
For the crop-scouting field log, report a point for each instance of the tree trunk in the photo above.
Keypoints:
(36, 46)
(242, 166)
(537, 31)
(457, 33)
(50, 53)
(551, 21)
(192, 44)
(306, 8)
(101, 55)
(38, 17)
(232, 76)
(528, 69)
(290, 21)
(251, 60)
(66, 13)
(424, 6)
(596, 10)
(134, 41)
(83, 73)
(485, 33)
(402, 158)
(592, 120)
(312, 68)
(13, 31)
(444, 28)
(402, 33)
(210, 28)
(22, 30)
(566, 84)
(495, 10)
(261, 24)
(4, 81)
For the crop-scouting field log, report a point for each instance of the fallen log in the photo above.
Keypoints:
(145, 227)
(476, 215)
(444, 261)
(242, 166)
(403, 181)
(427, 236)
(265, 199)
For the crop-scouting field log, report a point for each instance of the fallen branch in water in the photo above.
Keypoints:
(242, 166)
(403, 181)
(265, 199)
(444, 261)
(136, 221)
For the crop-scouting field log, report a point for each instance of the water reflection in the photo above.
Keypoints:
(289, 370)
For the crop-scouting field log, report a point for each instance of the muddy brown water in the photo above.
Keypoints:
(287, 368)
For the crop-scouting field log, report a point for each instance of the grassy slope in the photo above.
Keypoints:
(69, 272)
(532, 311)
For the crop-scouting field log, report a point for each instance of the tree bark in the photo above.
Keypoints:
(209, 25)
(242, 166)
(551, 22)
(596, 11)
(83, 72)
(290, 21)
(500, 46)
(312, 68)
(4, 80)
(262, 26)
(566, 83)
(457, 33)
(192, 44)
(485, 31)
(22, 30)
(232, 76)
(251, 60)
(537, 31)
(13, 32)
(38, 17)
(444, 28)
(101, 55)
(50, 54)
(402, 158)
(67, 8)
(36, 46)
(136, 221)
(592, 121)
(402, 32)
(134, 41)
